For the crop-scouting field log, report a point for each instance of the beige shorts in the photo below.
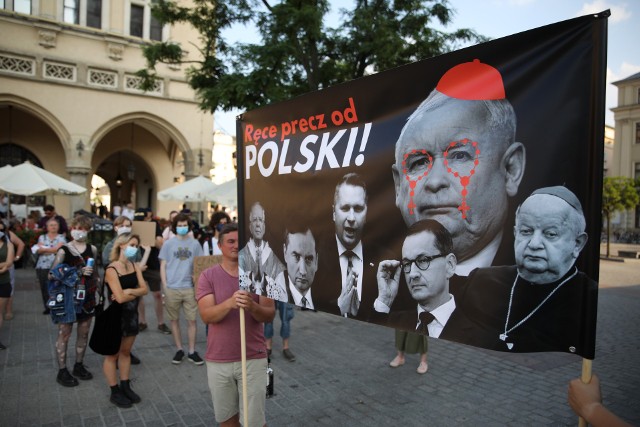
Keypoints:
(174, 299)
(225, 384)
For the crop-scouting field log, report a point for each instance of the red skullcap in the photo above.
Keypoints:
(473, 81)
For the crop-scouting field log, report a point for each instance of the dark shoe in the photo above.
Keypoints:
(81, 372)
(125, 388)
(164, 329)
(2, 346)
(66, 379)
(195, 358)
(46, 311)
(288, 355)
(142, 327)
(177, 359)
(119, 399)
(134, 359)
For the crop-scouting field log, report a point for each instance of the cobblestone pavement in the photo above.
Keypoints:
(340, 378)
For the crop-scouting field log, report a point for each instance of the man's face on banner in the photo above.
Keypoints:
(430, 287)
(451, 168)
(350, 214)
(302, 259)
(547, 238)
(257, 222)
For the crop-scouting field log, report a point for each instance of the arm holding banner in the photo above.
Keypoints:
(586, 401)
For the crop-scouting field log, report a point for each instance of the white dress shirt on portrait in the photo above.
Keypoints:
(297, 296)
(441, 317)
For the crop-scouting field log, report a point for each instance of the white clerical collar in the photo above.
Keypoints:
(297, 296)
(264, 249)
(484, 258)
(357, 250)
(441, 316)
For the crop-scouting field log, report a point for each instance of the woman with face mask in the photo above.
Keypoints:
(126, 286)
(76, 254)
(6, 261)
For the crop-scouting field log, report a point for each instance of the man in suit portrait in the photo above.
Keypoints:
(457, 161)
(301, 261)
(345, 272)
(428, 262)
(543, 303)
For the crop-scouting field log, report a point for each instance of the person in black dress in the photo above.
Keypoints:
(126, 285)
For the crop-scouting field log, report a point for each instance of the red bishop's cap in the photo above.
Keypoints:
(473, 81)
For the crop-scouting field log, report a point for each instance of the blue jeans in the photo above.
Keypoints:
(285, 311)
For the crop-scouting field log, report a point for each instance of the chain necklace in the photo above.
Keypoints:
(505, 335)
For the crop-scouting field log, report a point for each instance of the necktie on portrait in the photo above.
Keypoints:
(425, 318)
(354, 304)
(304, 302)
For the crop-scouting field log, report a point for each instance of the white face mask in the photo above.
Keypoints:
(79, 235)
(123, 230)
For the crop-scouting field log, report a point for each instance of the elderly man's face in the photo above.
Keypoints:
(257, 223)
(546, 242)
(450, 168)
(430, 287)
(350, 214)
(302, 260)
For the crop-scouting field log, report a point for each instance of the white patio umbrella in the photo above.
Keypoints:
(227, 193)
(29, 180)
(198, 189)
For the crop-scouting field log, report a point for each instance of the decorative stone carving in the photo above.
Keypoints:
(47, 38)
(115, 51)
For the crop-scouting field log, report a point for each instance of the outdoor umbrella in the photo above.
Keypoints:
(198, 189)
(227, 193)
(29, 180)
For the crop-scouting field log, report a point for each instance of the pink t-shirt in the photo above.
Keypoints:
(223, 341)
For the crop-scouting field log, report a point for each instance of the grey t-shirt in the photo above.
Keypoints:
(179, 256)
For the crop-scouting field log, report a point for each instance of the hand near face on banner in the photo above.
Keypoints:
(344, 300)
(388, 281)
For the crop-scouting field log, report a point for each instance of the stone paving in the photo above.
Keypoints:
(340, 378)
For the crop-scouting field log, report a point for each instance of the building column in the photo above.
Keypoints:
(82, 177)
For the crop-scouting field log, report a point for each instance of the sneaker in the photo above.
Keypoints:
(195, 358)
(66, 379)
(2, 346)
(177, 359)
(164, 329)
(134, 359)
(142, 327)
(81, 372)
(46, 311)
(119, 399)
(288, 355)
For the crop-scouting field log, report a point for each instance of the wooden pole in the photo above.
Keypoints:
(586, 378)
(243, 351)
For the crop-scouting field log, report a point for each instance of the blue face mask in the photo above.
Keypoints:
(130, 252)
(182, 231)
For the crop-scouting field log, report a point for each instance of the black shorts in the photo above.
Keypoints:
(152, 277)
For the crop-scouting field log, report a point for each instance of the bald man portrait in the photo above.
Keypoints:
(457, 161)
(543, 303)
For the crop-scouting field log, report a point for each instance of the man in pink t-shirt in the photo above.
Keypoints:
(219, 298)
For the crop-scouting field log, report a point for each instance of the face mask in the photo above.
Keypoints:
(219, 227)
(131, 252)
(123, 230)
(182, 231)
(79, 235)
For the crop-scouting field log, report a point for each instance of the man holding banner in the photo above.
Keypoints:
(219, 301)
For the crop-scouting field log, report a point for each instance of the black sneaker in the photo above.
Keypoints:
(134, 359)
(81, 372)
(119, 399)
(46, 311)
(288, 355)
(195, 358)
(66, 379)
(142, 327)
(2, 346)
(164, 329)
(177, 359)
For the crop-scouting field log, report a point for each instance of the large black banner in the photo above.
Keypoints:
(458, 196)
